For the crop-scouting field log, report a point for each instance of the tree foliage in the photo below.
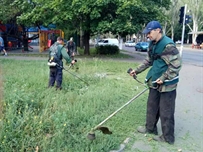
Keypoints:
(120, 17)
(194, 8)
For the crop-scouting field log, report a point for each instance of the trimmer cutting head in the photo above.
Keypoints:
(104, 130)
(91, 136)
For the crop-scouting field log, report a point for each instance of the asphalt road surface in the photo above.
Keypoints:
(189, 55)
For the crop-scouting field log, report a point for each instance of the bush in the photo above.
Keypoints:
(107, 49)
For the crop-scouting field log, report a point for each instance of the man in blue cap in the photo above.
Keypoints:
(162, 78)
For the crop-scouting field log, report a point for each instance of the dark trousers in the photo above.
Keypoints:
(55, 75)
(161, 105)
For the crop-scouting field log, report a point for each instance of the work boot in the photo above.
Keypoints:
(161, 139)
(144, 130)
(58, 88)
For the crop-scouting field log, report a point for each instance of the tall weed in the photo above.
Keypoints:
(35, 116)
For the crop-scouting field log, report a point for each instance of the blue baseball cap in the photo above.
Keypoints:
(151, 26)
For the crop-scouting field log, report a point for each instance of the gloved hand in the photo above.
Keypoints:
(73, 61)
(132, 73)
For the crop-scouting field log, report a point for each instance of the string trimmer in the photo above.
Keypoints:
(72, 73)
(105, 130)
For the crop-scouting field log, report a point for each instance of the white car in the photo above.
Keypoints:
(129, 43)
(178, 42)
(109, 41)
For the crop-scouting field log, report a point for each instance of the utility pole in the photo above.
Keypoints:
(183, 30)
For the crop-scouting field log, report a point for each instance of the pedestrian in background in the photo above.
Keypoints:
(162, 79)
(56, 64)
(2, 48)
(71, 48)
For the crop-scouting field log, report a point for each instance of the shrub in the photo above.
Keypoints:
(107, 49)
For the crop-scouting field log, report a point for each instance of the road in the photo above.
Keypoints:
(189, 55)
(193, 56)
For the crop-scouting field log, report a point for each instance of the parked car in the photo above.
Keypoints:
(129, 43)
(109, 41)
(178, 42)
(99, 41)
(141, 46)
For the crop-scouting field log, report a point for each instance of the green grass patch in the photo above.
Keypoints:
(35, 116)
(93, 53)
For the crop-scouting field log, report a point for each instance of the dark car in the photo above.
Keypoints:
(141, 46)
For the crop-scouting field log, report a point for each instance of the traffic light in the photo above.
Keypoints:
(188, 19)
(181, 15)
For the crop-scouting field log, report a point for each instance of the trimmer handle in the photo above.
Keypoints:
(75, 62)
(129, 70)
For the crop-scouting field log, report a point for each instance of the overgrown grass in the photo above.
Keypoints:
(55, 121)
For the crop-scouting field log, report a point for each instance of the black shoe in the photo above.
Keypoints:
(143, 130)
(161, 139)
(58, 88)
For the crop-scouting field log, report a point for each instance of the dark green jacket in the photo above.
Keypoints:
(165, 62)
(62, 53)
(159, 66)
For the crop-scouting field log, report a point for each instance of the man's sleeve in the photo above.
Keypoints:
(174, 62)
(65, 55)
(147, 62)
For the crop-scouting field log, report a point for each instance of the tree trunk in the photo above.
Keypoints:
(86, 41)
(195, 29)
(87, 36)
(24, 38)
(81, 37)
(25, 42)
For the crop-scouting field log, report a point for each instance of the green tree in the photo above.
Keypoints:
(93, 16)
(10, 12)
(172, 18)
(195, 10)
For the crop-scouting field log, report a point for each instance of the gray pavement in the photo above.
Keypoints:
(188, 113)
